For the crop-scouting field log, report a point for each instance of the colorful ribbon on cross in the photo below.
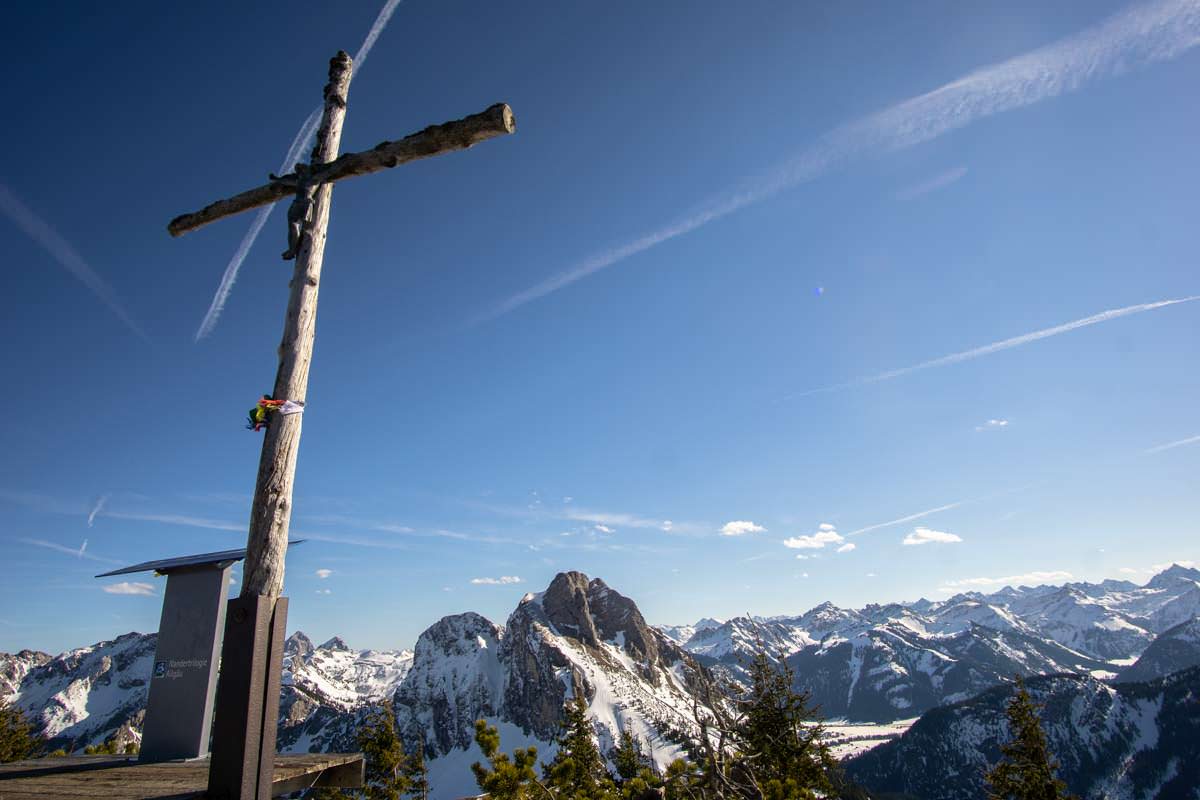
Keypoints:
(260, 415)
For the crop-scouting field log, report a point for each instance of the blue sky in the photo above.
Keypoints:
(679, 303)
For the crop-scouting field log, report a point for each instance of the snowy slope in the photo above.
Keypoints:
(1175, 649)
(340, 676)
(85, 695)
(1133, 741)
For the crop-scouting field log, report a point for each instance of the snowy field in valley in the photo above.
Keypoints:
(848, 739)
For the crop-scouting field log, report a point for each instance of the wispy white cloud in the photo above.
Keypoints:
(177, 519)
(939, 181)
(71, 551)
(68, 258)
(602, 528)
(1172, 445)
(908, 518)
(301, 142)
(617, 519)
(503, 580)
(826, 535)
(1003, 344)
(96, 509)
(1029, 578)
(324, 591)
(126, 587)
(846, 548)
(921, 536)
(740, 527)
(323, 573)
(992, 425)
(1132, 38)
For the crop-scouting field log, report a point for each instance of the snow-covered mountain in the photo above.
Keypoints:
(336, 675)
(878, 663)
(1128, 741)
(83, 696)
(577, 638)
(1175, 649)
(889, 662)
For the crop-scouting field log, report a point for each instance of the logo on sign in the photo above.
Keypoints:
(160, 669)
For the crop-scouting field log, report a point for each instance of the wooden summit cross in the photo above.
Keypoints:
(247, 706)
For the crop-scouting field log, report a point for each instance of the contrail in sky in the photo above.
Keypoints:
(1135, 37)
(68, 550)
(1004, 344)
(1171, 445)
(933, 184)
(909, 518)
(61, 251)
(96, 509)
(299, 144)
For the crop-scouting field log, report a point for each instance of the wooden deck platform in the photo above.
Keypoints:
(123, 778)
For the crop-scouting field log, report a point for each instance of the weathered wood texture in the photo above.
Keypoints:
(433, 141)
(123, 778)
(272, 509)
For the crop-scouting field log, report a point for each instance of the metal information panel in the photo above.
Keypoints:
(183, 681)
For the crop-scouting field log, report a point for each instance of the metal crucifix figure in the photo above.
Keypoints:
(248, 688)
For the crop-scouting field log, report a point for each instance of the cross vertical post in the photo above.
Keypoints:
(247, 711)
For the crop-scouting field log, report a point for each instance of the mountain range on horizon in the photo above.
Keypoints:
(877, 664)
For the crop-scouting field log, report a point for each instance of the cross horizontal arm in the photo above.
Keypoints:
(433, 141)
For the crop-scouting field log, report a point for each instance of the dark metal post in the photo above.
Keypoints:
(247, 713)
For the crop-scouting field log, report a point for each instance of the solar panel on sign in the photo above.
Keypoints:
(165, 565)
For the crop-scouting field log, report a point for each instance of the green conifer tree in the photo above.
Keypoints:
(386, 763)
(780, 736)
(761, 742)
(506, 778)
(17, 739)
(628, 757)
(1026, 772)
(418, 775)
(578, 769)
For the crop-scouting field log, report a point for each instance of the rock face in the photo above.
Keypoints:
(455, 680)
(577, 638)
(13, 669)
(1133, 741)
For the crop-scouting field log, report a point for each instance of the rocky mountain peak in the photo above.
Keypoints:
(567, 607)
(336, 643)
(298, 645)
(456, 678)
(1173, 576)
(591, 612)
(457, 635)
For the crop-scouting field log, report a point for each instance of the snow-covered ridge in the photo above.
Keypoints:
(887, 662)
(342, 677)
(1109, 621)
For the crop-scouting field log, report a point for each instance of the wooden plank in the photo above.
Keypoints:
(123, 778)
